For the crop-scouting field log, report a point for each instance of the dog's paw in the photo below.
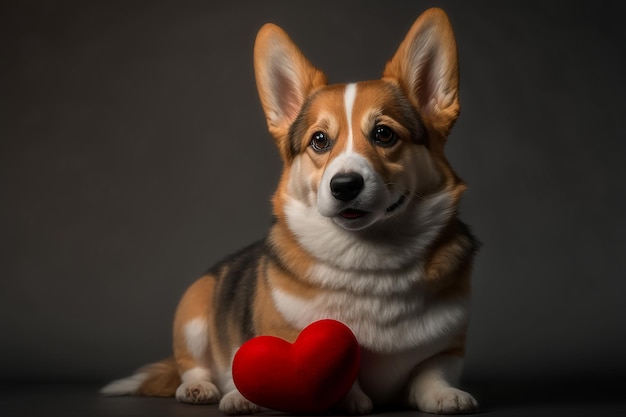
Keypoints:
(357, 406)
(235, 403)
(201, 392)
(356, 403)
(445, 400)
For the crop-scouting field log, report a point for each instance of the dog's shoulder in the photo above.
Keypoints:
(450, 257)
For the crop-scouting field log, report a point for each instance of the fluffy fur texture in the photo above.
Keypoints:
(366, 232)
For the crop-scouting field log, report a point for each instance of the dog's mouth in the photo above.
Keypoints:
(352, 213)
(397, 204)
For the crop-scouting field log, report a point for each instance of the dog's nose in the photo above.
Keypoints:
(346, 187)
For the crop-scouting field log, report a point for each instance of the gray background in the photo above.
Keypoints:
(133, 154)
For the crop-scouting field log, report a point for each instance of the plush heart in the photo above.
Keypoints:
(309, 376)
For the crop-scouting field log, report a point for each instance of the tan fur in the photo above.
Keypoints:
(268, 319)
(442, 114)
(415, 168)
(269, 35)
(162, 381)
(448, 260)
(291, 255)
(192, 305)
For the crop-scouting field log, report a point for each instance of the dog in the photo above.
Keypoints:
(365, 231)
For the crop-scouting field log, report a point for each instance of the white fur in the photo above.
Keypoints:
(196, 374)
(196, 337)
(125, 386)
(356, 402)
(350, 251)
(432, 391)
(382, 324)
(235, 403)
(349, 96)
(197, 388)
(373, 198)
(378, 283)
(225, 380)
(373, 280)
(384, 376)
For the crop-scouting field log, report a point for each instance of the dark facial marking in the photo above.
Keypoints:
(408, 116)
(298, 128)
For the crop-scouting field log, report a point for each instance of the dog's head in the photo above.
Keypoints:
(357, 155)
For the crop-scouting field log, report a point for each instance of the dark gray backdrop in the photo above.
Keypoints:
(133, 154)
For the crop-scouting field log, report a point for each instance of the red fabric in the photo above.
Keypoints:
(309, 376)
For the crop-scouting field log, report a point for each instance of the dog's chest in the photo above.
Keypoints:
(381, 323)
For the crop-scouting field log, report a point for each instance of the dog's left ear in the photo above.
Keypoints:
(426, 67)
(284, 78)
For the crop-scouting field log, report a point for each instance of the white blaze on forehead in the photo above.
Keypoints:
(348, 98)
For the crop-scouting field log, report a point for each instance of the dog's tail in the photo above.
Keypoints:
(159, 379)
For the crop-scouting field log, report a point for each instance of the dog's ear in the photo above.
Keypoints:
(284, 79)
(426, 68)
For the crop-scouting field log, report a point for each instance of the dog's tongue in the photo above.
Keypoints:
(353, 213)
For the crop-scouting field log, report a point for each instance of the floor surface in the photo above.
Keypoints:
(590, 399)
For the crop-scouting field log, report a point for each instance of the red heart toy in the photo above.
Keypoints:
(309, 376)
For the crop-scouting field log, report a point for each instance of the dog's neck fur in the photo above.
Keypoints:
(355, 261)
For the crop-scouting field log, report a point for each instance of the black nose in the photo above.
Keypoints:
(346, 187)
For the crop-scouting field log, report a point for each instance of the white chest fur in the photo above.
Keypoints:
(382, 324)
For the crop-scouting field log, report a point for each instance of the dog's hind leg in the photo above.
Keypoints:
(192, 345)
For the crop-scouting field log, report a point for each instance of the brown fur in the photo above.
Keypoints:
(162, 381)
(236, 299)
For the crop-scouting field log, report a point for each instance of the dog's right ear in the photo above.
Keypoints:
(284, 78)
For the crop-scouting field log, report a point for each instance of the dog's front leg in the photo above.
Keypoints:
(234, 403)
(431, 388)
(356, 401)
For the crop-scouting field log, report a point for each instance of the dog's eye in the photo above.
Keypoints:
(384, 136)
(320, 142)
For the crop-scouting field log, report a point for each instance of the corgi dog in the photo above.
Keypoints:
(365, 232)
